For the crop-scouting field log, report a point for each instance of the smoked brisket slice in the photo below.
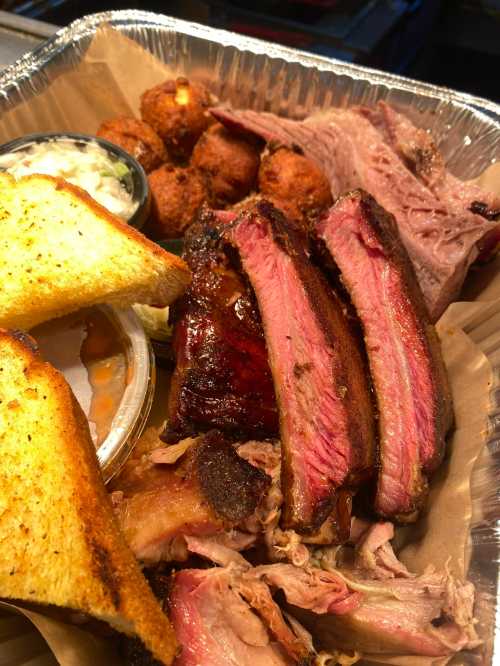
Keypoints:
(436, 220)
(326, 421)
(408, 373)
(222, 378)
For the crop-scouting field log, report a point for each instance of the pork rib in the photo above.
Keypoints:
(438, 228)
(403, 350)
(319, 376)
(222, 378)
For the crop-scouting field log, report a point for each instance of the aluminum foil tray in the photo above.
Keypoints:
(255, 74)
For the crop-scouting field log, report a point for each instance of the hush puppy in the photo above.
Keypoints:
(176, 195)
(291, 179)
(136, 137)
(229, 164)
(179, 112)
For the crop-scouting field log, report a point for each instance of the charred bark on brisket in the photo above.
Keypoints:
(232, 486)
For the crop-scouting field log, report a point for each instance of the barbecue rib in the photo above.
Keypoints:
(435, 222)
(215, 626)
(222, 378)
(408, 373)
(209, 490)
(319, 376)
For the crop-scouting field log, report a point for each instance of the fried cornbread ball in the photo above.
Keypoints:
(136, 137)
(290, 178)
(229, 163)
(179, 112)
(176, 196)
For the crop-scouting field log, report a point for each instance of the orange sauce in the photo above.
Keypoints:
(103, 353)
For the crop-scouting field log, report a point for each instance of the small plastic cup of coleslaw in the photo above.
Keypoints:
(109, 174)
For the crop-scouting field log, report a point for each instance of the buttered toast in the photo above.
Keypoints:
(61, 251)
(59, 543)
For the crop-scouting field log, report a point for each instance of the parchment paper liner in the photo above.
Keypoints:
(108, 82)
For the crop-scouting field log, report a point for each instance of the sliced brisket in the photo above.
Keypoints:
(320, 380)
(434, 216)
(408, 373)
(417, 149)
(222, 378)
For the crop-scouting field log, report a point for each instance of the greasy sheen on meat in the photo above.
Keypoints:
(222, 378)
(326, 423)
(435, 218)
(408, 373)
(210, 490)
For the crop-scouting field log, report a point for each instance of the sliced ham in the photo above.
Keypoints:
(403, 351)
(437, 225)
(326, 423)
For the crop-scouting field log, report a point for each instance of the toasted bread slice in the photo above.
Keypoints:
(59, 543)
(60, 251)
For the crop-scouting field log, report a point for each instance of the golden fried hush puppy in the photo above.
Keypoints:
(288, 177)
(176, 195)
(137, 138)
(229, 164)
(179, 111)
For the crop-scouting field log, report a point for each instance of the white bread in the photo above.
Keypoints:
(61, 251)
(59, 543)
